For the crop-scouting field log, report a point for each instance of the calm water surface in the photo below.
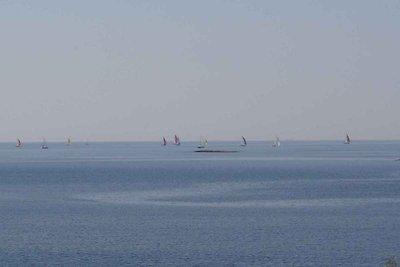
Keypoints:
(124, 204)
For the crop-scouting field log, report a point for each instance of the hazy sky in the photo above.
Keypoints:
(140, 70)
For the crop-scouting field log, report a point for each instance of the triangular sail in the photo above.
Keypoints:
(18, 143)
(277, 142)
(244, 141)
(164, 141)
(68, 141)
(347, 141)
(177, 140)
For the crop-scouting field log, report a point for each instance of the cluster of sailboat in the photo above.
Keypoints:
(44, 143)
(177, 142)
(204, 142)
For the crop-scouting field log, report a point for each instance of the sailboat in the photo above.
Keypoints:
(19, 144)
(177, 141)
(277, 142)
(69, 141)
(347, 141)
(203, 143)
(244, 142)
(164, 141)
(44, 144)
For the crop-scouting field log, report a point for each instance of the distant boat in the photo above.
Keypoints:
(19, 144)
(177, 141)
(69, 141)
(277, 142)
(347, 141)
(203, 143)
(164, 141)
(216, 151)
(244, 141)
(44, 144)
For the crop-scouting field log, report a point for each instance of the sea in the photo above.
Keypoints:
(305, 203)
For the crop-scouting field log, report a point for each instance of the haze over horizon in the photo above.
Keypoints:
(140, 70)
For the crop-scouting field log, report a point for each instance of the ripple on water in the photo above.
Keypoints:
(189, 197)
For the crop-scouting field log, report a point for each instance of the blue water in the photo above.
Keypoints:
(125, 204)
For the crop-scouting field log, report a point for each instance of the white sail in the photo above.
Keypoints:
(203, 143)
(277, 142)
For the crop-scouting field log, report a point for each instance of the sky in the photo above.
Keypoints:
(140, 70)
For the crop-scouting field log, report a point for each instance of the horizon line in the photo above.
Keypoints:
(193, 141)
